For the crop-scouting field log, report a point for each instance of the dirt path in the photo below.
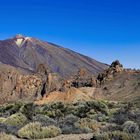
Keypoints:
(67, 137)
(72, 137)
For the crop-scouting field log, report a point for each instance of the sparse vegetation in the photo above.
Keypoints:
(116, 135)
(36, 131)
(131, 127)
(4, 136)
(88, 123)
(107, 119)
(2, 119)
(17, 119)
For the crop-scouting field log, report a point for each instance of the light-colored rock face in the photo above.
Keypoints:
(8, 79)
(20, 40)
(28, 87)
(15, 85)
(54, 83)
(72, 95)
(109, 74)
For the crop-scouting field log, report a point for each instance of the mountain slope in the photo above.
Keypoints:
(125, 86)
(28, 53)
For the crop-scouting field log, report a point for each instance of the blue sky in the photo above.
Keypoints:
(102, 29)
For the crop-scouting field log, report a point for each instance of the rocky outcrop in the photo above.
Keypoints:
(83, 79)
(8, 79)
(109, 74)
(16, 85)
(28, 87)
(44, 86)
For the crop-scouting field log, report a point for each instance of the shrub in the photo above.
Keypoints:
(73, 129)
(55, 110)
(68, 120)
(9, 109)
(98, 106)
(44, 120)
(2, 119)
(88, 123)
(98, 117)
(9, 129)
(35, 131)
(17, 119)
(68, 126)
(101, 106)
(28, 110)
(126, 112)
(116, 135)
(81, 109)
(30, 131)
(16, 107)
(51, 131)
(4, 110)
(110, 127)
(4, 136)
(130, 127)
(70, 109)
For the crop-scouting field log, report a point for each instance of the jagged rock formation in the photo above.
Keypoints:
(28, 87)
(44, 86)
(14, 85)
(109, 74)
(119, 84)
(83, 79)
(82, 86)
(8, 79)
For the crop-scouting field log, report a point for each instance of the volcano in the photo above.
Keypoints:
(27, 53)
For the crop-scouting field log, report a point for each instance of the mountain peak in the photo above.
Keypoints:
(19, 36)
(20, 39)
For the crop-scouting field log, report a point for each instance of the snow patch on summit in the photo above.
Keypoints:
(19, 41)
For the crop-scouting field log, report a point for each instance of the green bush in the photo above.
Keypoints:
(44, 120)
(131, 127)
(30, 131)
(50, 131)
(2, 119)
(68, 125)
(36, 131)
(98, 106)
(116, 135)
(88, 123)
(101, 106)
(9, 109)
(4, 136)
(28, 110)
(55, 110)
(98, 117)
(17, 119)
(81, 108)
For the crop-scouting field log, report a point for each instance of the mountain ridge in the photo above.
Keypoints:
(28, 53)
